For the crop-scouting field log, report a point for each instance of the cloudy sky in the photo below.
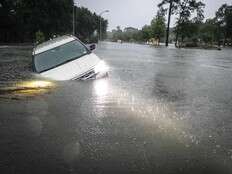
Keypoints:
(136, 13)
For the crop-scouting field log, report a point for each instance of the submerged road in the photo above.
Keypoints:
(161, 110)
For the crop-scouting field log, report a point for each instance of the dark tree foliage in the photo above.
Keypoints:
(8, 20)
(87, 23)
(216, 31)
(129, 34)
(155, 30)
(22, 19)
(209, 31)
(184, 9)
(224, 21)
(146, 32)
(158, 25)
(171, 10)
(26, 17)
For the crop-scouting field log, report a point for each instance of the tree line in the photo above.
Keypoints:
(155, 30)
(190, 29)
(25, 20)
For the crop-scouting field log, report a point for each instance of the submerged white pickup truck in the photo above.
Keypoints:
(67, 58)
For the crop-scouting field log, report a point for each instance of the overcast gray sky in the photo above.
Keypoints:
(137, 13)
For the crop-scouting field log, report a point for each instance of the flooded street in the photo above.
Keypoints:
(161, 110)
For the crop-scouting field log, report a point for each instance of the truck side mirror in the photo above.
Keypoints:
(92, 47)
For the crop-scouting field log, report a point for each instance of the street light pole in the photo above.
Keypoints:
(74, 5)
(100, 23)
(100, 30)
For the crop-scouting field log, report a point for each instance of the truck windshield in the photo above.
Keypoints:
(59, 56)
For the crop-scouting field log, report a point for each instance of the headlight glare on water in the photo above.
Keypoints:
(37, 84)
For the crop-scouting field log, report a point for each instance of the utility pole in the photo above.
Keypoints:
(169, 20)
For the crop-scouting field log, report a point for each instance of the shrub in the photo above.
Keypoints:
(39, 37)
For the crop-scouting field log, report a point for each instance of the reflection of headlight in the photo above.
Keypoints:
(101, 67)
(101, 87)
(37, 84)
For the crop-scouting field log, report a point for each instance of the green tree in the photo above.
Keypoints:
(158, 27)
(224, 22)
(172, 7)
(50, 17)
(29, 16)
(117, 34)
(39, 37)
(21, 19)
(209, 31)
(86, 23)
(184, 9)
(146, 32)
(8, 20)
(129, 34)
(188, 31)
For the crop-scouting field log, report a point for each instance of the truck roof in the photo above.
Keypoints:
(53, 43)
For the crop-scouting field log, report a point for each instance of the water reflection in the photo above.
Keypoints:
(101, 87)
(152, 111)
(71, 152)
(35, 125)
(36, 84)
(25, 88)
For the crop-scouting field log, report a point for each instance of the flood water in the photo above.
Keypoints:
(161, 110)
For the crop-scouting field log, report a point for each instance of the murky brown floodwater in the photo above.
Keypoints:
(160, 110)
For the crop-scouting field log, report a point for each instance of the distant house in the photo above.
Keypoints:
(130, 29)
(153, 41)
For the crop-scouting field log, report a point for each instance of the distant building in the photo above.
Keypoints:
(130, 29)
(153, 41)
(229, 8)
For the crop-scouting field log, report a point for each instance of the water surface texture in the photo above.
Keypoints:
(161, 110)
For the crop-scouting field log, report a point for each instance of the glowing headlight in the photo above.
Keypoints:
(101, 67)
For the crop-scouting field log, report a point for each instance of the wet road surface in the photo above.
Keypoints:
(166, 111)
